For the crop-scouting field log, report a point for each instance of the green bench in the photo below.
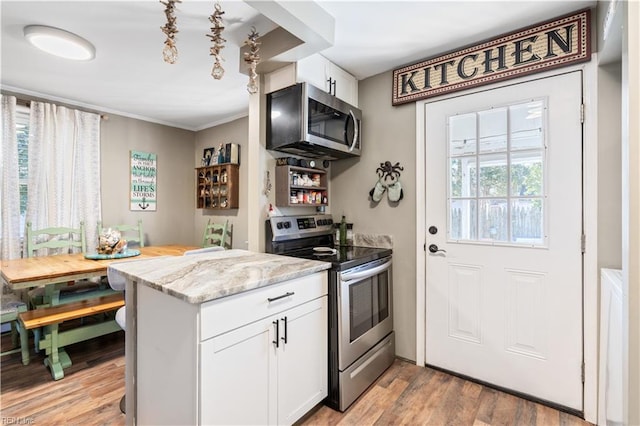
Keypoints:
(54, 340)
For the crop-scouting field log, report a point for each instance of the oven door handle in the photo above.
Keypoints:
(361, 275)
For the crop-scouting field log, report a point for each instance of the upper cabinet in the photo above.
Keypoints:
(318, 71)
(324, 74)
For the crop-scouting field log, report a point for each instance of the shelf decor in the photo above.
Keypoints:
(142, 185)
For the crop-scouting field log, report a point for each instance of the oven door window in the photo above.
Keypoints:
(368, 304)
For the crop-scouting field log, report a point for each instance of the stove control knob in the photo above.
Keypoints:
(287, 225)
(321, 222)
(329, 221)
(279, 225)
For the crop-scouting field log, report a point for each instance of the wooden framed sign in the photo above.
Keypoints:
(142, 186)
(552, 44)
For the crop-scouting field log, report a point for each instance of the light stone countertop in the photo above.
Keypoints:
(203, 277)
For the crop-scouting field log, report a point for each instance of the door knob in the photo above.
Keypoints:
(434, 249)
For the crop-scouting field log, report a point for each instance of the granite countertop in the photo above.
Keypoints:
(203, 277)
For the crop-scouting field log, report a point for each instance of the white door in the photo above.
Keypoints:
(504, 209)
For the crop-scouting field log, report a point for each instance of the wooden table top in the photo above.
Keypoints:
(44, 270)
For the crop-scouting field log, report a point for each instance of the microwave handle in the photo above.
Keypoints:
(355, 131)
(365, 274)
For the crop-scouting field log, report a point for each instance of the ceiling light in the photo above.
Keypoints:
(59, 42)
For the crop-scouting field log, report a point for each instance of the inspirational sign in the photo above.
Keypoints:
(557, 43)
(143, 188)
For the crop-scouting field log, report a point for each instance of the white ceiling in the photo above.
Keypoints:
(129, 77)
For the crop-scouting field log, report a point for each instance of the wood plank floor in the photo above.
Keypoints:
(92, 387)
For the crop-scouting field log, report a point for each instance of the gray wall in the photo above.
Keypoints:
(172, 222)
(609, 167)
(388, 134)
(233, 132)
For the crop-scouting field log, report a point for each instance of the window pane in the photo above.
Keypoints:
(463, 177)
(526, 221)
(462, 220)
(493, 130)
(493, 221)
(526, 125)
(493, 175)
(462, 134)
(526, 173)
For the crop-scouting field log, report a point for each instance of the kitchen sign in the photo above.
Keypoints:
(556, 43)
(142, 186)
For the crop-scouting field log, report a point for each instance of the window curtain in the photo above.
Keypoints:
(10, 199)
(64, 169)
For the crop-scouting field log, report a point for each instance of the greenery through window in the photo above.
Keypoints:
(496, 185)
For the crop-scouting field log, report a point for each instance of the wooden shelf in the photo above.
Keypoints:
(217, 187)
(311, 193)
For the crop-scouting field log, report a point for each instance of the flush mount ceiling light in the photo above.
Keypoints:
(59, 42)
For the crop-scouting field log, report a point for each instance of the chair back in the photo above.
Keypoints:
(216, 234)
(203, 250)
(131, 233)
(56, 240)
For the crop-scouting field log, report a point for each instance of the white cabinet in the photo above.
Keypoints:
(326, 75)
(218, 363)
(248, 379)
(318, 71)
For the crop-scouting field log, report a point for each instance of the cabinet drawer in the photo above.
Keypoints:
(226, 314)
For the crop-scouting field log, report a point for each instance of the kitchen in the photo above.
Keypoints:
(383, 141)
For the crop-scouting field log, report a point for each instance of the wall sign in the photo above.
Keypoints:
(142, 186)
(556, 43)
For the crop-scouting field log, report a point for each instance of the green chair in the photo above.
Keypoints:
(10, 307)
(131, 233)
(216, 234)
(55, 240)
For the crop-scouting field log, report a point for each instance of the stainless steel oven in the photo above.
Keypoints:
(361, 337)
(366, 344)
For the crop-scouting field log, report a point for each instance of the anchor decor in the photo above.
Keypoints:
(143, 187)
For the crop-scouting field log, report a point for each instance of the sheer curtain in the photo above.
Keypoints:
(64, 169)
(10, 199)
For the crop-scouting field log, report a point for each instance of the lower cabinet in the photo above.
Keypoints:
(258, 357)
(272, 371)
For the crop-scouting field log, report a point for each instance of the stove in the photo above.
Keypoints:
(307, 236)
(360, 301)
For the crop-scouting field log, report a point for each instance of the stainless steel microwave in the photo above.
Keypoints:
(306, 121)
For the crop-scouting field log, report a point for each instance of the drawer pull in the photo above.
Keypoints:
(287, 294)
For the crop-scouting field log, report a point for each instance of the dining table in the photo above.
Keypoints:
(54, 272)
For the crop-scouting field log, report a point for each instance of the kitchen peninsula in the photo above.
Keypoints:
(224, 338)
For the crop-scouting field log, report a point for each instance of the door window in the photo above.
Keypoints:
(496, 180)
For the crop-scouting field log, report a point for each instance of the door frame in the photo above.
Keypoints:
(589, 217)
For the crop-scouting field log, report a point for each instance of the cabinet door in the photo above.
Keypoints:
(312, 69)
(238, 375)
(302, 360)
(346, 86)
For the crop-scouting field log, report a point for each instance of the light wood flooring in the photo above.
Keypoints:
(90, 392)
